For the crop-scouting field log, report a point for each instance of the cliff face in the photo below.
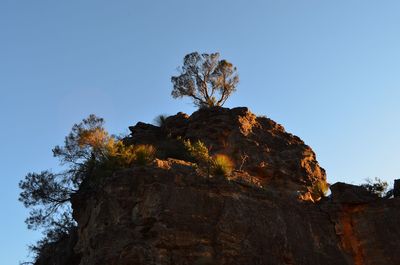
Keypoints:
(367, 226)
(159, 216)
(170, 213)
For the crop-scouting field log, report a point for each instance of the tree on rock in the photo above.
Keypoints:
(89, 155)
(206, 79)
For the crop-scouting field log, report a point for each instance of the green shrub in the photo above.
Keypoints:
(222, 165)
(198, 151)
(218, 165)
(90, 155)
(118, 155)
(144, 154)
(160, 120)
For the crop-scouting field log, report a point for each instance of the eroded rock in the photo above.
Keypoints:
(170, 213)
(257, 145)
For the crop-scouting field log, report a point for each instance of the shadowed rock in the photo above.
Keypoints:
(169, 213)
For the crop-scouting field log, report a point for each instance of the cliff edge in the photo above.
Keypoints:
(264, 212)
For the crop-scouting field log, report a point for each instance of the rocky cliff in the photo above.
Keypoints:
(262, 213)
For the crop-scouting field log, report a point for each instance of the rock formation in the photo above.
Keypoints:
(169, 213)
(258, 145)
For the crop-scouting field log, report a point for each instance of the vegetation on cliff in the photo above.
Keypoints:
(243, 156)
(230, 143)
(217, 165)
(89, 154)
(377, 186)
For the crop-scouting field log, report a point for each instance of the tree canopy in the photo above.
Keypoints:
(47, 193)
(89, 153)
(376, 186)
(205, 78)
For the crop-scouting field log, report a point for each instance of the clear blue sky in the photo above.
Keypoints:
(327, 70)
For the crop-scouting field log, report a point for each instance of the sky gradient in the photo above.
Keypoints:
(328, 71)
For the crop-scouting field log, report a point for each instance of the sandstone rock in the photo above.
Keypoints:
(396, 188)
(351, 194)
(149, 216)
(145, 133)
(274, 156)
(146, 216)
(175, 124)
(169, 213)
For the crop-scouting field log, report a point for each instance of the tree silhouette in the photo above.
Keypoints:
(46, 192)
(206, 79)
(89, 156)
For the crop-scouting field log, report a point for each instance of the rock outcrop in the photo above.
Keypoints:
(168, 213)
(258, 145)
(366, 225)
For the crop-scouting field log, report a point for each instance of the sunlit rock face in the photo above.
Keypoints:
(171, 213)
(257, 145)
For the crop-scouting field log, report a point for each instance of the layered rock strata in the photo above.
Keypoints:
(169, 213)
